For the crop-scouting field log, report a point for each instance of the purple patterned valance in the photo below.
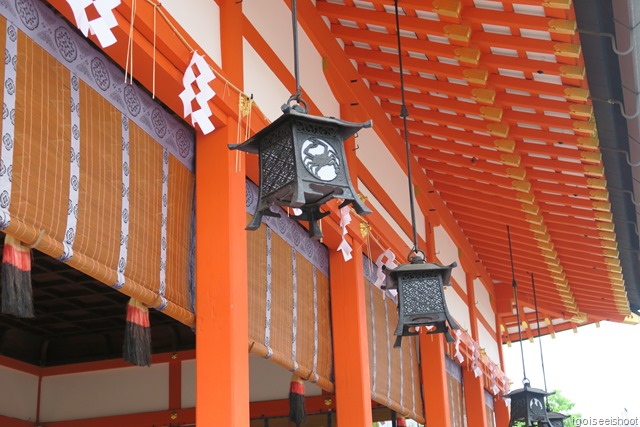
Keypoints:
(291, 232)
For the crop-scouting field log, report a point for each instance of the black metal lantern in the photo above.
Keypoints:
(303, 165)
(302, 160)
(556, 419)
(421, 300)
(528, 406)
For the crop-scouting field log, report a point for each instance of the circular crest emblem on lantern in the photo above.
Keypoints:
(535, 404)
(320, 159)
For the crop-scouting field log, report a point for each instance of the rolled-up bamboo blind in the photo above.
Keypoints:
(394, 372)
(90, 166)
(289, 310)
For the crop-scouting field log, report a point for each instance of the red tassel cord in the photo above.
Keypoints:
(137, 336)
(17, 298)
(297, 411)
(401, 422)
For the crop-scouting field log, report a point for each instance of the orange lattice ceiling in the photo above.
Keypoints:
(501, 122)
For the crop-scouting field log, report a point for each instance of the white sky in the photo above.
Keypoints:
(597, 368)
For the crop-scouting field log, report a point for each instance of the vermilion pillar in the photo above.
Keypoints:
(473, 387)
(433, 365)
(499, 407)
(474, 399)
(222, 313)
(434, 379)
(350, 347)
(222, 316)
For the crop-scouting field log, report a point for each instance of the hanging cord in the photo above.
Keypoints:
(297, 97)
(128, 68)
(416, 255)
(535, 305)
(525, 380)
(155, 34)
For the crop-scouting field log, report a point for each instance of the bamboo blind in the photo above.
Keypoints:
(491, 415)
(289, 310)
(457, 407)
(101, 192)
(394, 373)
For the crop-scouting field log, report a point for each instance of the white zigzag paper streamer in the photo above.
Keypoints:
(100, 26)
(199, 74)
(458, 354)
(345, 219)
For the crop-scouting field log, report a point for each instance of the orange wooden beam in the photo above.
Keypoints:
(159, 418)
(434, 50)
(14, 422)
(364, 16)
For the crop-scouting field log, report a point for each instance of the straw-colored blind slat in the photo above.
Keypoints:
(289, 313)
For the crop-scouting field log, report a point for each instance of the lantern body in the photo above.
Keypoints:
(421, 300)
(527, 405)
(303, 165)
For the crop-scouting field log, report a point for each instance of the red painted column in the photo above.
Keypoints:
(434, 380)
(474, 399)
(500, 408)
(222, 314)
(350, 346)
(433, 365)
(473, 387)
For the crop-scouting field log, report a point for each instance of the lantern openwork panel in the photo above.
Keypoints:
(527, 406)
(303, 165)
(421, 299)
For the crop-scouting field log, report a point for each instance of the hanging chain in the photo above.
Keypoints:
(525, 380)
(297, 97)
(415, 255)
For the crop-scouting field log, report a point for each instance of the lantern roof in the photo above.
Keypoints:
(345, 129)
(424, 267)
(528, 389)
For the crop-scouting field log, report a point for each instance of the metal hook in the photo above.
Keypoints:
(614, 46)
(624, 190)
(626, 154)
(620, 105)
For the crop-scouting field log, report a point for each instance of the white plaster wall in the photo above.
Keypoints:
(447, 253)
(483, 303)
(377, 158)
(201, 19)
(267, 381)
(270, 381)
(487, 340)
(18, 394)
(272, 19)
(104, 393)
(458, 308)
(383, 212)
(188, 383)
(268, 92)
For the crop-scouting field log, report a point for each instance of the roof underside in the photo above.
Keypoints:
(502, 123)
